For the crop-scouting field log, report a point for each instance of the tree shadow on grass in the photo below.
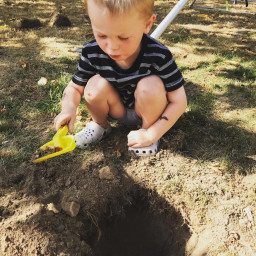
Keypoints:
(242, 74)
(209, 139)
(240, 97)
(236, 40)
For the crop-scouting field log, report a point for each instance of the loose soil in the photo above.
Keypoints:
(105, 201)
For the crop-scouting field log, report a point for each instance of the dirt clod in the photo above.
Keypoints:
(5, 243)
(52, 207)
(30, 23)
(44, 152)
(70, 206)
(59, 20)
(106, 174)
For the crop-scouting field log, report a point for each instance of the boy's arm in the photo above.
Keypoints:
(176, 107)
(70, 100)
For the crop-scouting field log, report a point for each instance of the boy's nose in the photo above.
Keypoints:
(113, 45)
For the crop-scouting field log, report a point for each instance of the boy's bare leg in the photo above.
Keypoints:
(150, 100)
(102, 99)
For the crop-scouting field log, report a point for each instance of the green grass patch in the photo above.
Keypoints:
(10, 116)
(241, 74)
(240, 93)
(202, 102)
(51, 103)
(68, 61)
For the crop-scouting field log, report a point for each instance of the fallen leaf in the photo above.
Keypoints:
(235, 63)
(203, 15)
(118, 153)
(252, 157)
(78, 111)
(5, 153)
(3, 110)
(250, 52)
(216, 167)
(23, 64)
(89, 119)
(31, 87)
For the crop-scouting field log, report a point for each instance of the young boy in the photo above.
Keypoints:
(124, 75)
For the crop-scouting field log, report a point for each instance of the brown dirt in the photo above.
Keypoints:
(105, 201)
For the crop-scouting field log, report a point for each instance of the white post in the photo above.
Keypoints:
(168, 19)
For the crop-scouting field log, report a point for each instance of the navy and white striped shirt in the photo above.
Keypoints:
(153, 59)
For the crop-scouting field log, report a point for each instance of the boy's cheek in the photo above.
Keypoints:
(101, 45)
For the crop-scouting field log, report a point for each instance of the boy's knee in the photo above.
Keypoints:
(95, 88)
(150, 87)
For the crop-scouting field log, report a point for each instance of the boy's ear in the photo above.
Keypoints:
(149, 23)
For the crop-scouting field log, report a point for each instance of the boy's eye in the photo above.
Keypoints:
(101, 36)
(123, 38)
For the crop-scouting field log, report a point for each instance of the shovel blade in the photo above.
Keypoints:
(65, 142)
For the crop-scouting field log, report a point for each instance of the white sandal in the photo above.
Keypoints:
(92, 133)
(146, 151)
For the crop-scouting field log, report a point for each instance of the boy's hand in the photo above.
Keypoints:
(139, 139)
(64, 118)
(70, 101)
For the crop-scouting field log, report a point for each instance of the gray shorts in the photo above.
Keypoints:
(129, 118)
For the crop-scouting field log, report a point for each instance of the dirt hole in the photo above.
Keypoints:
(147, 228)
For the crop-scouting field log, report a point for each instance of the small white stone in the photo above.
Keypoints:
(52, 207)
(42, 81)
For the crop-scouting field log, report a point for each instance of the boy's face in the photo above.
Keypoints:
(119, 36)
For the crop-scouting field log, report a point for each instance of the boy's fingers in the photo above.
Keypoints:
(70, 127)
(62, 120)
(55, 123)
(59, 124)
(71, 124)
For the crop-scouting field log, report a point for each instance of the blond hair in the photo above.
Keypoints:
(144, 7)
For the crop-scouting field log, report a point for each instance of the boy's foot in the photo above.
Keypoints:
(146, 151)
(92, 133)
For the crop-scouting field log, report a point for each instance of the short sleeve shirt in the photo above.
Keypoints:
(154, 59)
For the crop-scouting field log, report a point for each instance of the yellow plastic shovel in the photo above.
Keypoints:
(60, 141)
